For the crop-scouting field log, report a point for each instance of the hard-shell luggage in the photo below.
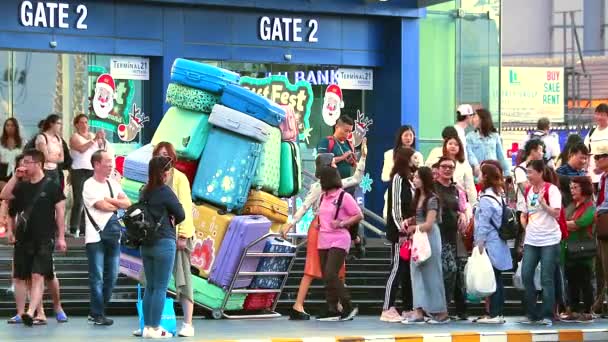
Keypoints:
(191, 98)
(248, 102)
(226, 169)
(210, 295)
(131, 266)
(134, 252)
(136, 164)
(262, 203)
(279, 264)
(240, 123)
(186, 130)
(211, 225)
(268, 174)
(131, 188)
(188, 168)
(259, 301)
(291, 171)
(289, 126)
(242, 231)
(202, 76)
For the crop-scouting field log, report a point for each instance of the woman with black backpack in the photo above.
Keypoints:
(158, 252)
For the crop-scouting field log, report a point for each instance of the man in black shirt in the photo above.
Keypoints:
(36, 219)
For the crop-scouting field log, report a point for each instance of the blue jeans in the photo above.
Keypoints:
(103, 257)
(158, 260)
(497, 300)
(548, 256)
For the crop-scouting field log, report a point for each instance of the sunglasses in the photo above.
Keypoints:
(534, 200)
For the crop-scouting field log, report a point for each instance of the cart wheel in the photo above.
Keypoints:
(217, 314)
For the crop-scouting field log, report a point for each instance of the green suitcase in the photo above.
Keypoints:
(210, 295)
(131, 189)
(268, 175)
(186, 130)
(190, 98)
(291, 170)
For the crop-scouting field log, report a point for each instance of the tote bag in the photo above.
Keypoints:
(168, 321)
(421, 248)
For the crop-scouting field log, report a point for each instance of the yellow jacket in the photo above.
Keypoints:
(181, 187)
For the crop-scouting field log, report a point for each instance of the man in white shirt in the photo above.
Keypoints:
(464, 117)
(597, 138)
(102, 197)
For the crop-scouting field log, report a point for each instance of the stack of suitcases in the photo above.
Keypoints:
(240, 152)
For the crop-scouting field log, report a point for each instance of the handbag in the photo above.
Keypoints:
(405, 250)
(168, 321)
(581, 249)
(421, 247)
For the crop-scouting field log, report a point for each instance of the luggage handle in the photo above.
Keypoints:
(233, 123)
(193, 76)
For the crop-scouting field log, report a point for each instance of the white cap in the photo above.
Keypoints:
(465, 109)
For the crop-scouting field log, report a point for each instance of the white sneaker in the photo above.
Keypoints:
(138, 333)
(156, 333)
(491, 320)
(187, 330)
(391, 316)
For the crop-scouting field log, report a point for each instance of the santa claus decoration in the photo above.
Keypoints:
(332, 104)
(105, 92)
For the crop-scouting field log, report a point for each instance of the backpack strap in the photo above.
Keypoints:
(589, 136)
(331, 142)
(502, 205)
(339, 204)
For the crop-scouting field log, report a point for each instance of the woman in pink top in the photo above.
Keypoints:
(338, 211)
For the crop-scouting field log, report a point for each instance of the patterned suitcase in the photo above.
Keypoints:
(240, 123)
(259, 301)
(261, 203)
(186, 130)
(131, 188)
(291, 171)
(191, 98)
(289, 127)
(136, 164)
(211, 225)
(187, 167)
(242, 231)
(248, 102)
(202, 76)
(132, 267)
(268, 174)
(273, 245)
(210, 295)
(226, 169)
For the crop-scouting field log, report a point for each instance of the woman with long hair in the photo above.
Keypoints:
(158, 253)
(338, 210)
(427, 278)
(484, 143)
(400, 198)
(49, 142)
(488, 216)
(11, 145)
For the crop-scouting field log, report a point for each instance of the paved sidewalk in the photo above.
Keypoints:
(365, 328)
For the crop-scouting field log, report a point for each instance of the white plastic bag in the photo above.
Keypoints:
(518, 282)
(480, 275)
(421, 248)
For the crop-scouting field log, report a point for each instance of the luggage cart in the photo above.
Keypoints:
(221, 312)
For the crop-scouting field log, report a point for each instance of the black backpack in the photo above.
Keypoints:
(508, 224)
(141, 225)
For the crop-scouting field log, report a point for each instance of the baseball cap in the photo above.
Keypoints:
(465, 109)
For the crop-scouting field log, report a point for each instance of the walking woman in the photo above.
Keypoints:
(338, 210)
(579, 218)
(427, 278)
(158, 254)
(178, 182)
(400, 199)
(11, 145)
(312, 268)
(488, 216)
(541, 243)
(484, 143)
(49, 142)
(405, 137)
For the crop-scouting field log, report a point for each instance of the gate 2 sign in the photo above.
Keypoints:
(278, 89)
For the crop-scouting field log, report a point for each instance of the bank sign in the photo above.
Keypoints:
(529, 93)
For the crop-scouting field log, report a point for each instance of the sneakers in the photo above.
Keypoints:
(101, 320)
(295, 315)
(391, 316)
(187, 330)
(529, 321)
(156, 333)
(137, 333)
(546, 322)
(330, 316)
(349, 313)
(491, 320)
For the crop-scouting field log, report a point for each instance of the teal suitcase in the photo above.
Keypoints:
(191, 98)
(186, 130)
(291, 170)
(268, 174)
(210, 295)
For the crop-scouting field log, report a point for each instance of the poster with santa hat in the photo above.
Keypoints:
(105, 93)
(332, 104)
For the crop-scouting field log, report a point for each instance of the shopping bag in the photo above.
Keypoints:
(518, 282)
(479, 275)
(405, 251)
(421, 248)
(168, 321)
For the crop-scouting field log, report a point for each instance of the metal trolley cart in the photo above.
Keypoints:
(271, 313)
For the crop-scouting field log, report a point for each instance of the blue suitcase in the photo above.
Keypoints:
(248, 102)
(136, 164)
(226, 169)
(202, 76)
(185, 130)
(280, 264)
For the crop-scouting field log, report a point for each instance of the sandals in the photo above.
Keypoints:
(434, 320)
(39, 321)
(61, 317)
(15, 320)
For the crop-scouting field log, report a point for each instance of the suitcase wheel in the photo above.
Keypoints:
(216, 314)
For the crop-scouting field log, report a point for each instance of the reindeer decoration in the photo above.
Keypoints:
(129, 131)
